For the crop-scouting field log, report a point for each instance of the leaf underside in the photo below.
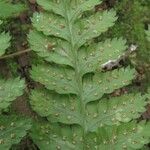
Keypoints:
(9, 91)
(126, 136)
(72, 97)
(12, 130)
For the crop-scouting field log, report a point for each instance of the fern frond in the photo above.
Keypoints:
(85, 30)
(66, 109)
(51, 6)
(75, 86)
(9, 91)
(51, 49)
(81, 6)
(115, 110)
(48, 136)
(8, 10)
(126, 136)
(62, 79)
(78, 7)
(91, 58)
(94, 56)
(50, 25)
(4, 42)
(94, 25)
(12, 130)
(6, 87)
(106, 83)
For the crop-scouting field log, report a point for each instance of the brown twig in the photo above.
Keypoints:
(15, 54)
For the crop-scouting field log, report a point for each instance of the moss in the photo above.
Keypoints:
(132, 22)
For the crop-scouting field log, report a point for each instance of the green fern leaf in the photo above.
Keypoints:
(49, 48)
(66, 109)
(12, 130)
(115, 111)
(6, 87)
(95, 55)
(51, 6)
(56, 26)
(91, 58)
(50, 26)
(94, 26)
(4, 42)
(9, 91)
(8, 10)
(74, 84)
(105, 83)
(48, 137)
(126, 136)
(62, 79)
(79, 6)
(82, 6)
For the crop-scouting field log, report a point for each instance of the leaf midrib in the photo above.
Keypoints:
(78, 76)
